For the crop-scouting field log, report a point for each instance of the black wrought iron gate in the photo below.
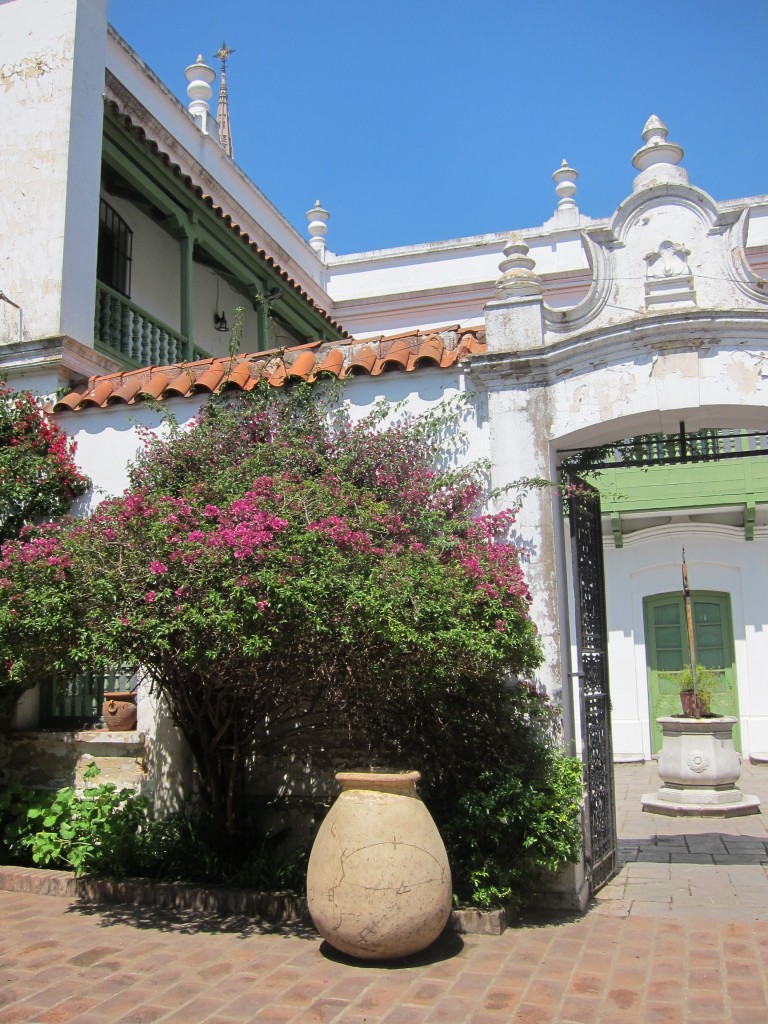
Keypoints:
(594, 694)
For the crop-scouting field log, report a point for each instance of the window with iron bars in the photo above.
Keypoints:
(115, 252)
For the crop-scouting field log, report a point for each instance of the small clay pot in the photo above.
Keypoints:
(694, 704)
(120, 711)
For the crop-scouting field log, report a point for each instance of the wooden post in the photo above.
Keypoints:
(691, 637)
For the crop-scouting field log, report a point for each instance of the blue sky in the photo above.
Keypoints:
(419, 120)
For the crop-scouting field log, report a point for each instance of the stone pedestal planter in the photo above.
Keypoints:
(378, 880)
(699, 768)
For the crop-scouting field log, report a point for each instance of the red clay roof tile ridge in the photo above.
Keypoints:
(404, 352)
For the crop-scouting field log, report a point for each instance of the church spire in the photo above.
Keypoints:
(222, 113)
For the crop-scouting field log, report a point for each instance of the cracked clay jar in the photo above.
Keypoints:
(378, 880)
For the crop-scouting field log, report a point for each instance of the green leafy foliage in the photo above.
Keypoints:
(15, 802)
(108, 832)
(508, 831)
(38, 481)
(92, 832)
(292, 582)
(513, 814)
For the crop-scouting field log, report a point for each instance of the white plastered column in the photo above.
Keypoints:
(51, 110)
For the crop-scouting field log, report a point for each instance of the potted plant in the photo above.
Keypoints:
(698, 763)
(696, 690)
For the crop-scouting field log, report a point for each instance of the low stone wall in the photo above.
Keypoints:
(272, 908)
(51, 760)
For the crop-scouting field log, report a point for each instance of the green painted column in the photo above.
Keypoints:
(186, 248)
(262, 314)
(256, 293)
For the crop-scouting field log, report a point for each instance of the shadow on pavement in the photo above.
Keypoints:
(447, 946)
(188, 922)
(694, 848)
(533, 918)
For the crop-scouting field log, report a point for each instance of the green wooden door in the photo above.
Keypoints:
(666, 645)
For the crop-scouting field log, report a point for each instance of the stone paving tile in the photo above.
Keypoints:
(675, 939)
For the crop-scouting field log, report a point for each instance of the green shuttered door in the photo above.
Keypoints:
(666, 644)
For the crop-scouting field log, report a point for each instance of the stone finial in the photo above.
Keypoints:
(222, 111)
(199, 90)
(317, 227)
(655, 130)
(657, 160)
(565, 185)
(517, 274)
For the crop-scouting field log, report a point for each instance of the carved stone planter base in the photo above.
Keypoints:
(699, 768)
(687, 802)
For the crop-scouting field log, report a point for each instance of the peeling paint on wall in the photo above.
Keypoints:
(31, 68)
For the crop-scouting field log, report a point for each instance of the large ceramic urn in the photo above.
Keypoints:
(378, 881)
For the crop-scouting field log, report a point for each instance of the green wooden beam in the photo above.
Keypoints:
(136, 177)
(186, 245)
(618, 536)
(261, 305)
(749, 520)
(693, 485)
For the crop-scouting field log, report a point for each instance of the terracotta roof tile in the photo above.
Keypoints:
(156, 385)
(275, 374)
(402, 353)
(237, 376)
(182, 382)
(69, 401)
(211, 379)
(363, 361)
(333, 363)
(126, 393)
(302, 366)
(431, 350)
(99, 393)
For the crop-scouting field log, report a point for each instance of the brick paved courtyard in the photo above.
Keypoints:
(642, 955)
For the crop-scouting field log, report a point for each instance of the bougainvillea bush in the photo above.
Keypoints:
(297, 587)
(39, 478)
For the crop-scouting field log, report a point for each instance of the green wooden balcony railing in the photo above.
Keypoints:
(705, 469)
(709, 444)
(133, 337)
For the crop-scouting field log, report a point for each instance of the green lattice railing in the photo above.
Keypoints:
(129, 334)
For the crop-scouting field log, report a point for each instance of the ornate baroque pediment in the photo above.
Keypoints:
(668, 275)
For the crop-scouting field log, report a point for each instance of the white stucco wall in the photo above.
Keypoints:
(719, 559)
(204, 305)
(108, 439)
(51, 85)
(653, 392)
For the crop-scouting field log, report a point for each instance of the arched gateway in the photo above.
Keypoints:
(666, 356)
